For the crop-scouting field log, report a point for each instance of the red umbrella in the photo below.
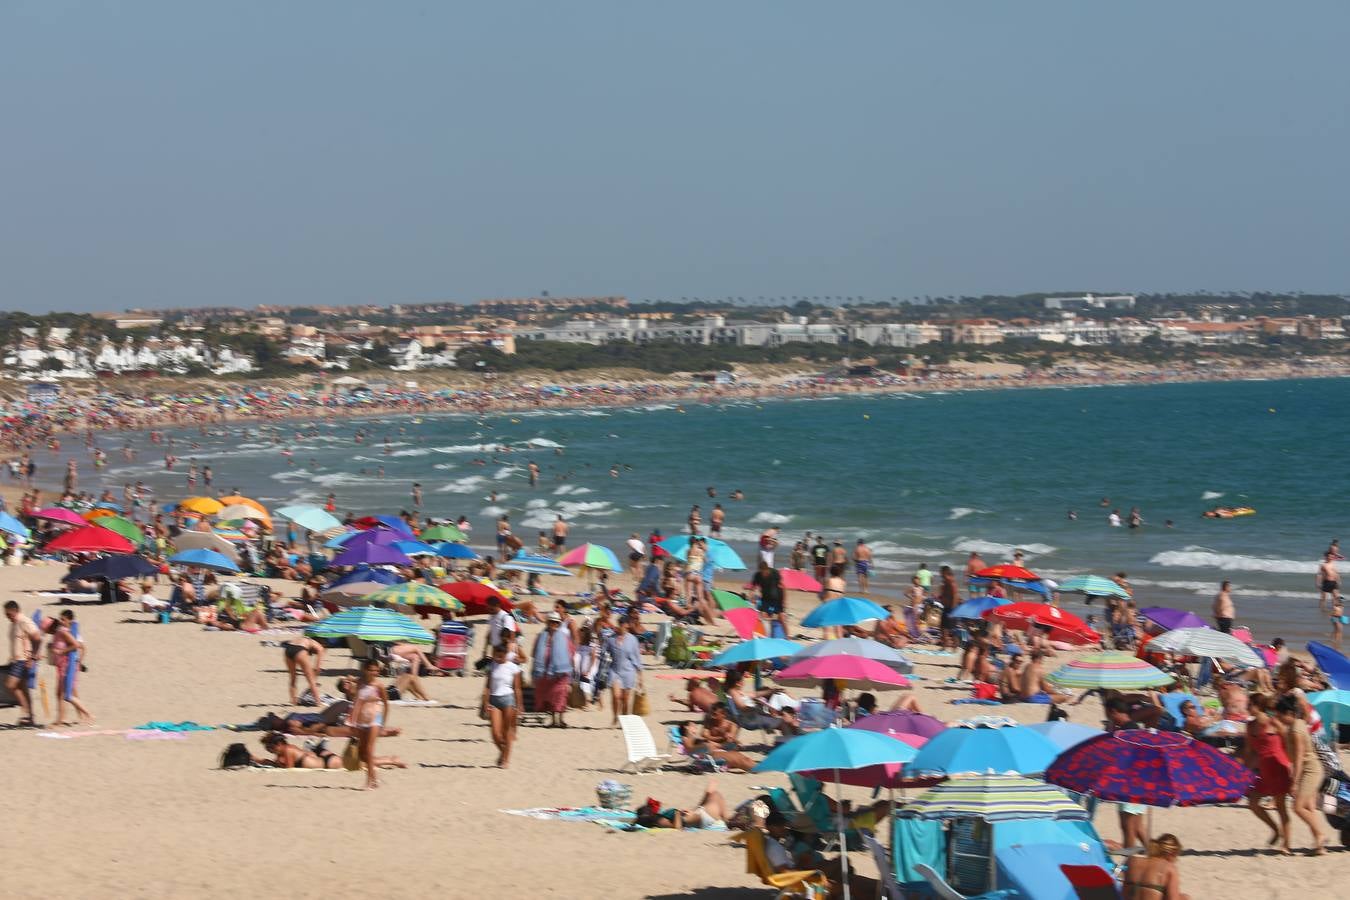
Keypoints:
(474, 595)
(90, 539)
(1008, 571)
(1061, 625)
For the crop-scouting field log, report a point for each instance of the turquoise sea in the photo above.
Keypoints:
(923, 477)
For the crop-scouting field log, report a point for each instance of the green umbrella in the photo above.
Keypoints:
(125, 527)
(413, 594)
(372, 624)
(728, 600)
(441, 533)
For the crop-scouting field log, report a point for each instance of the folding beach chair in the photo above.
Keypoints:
(805, 883)
(640, 745)
(890, 888)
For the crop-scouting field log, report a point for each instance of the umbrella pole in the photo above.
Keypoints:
(993, 860)
(843, 845)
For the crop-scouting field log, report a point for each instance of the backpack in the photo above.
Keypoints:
(236, 756)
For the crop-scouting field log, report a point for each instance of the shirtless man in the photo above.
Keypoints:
(862, 563)
(715, 520)
(1328, 581)
(1224, 610)
(559, 534)
(974, 564)
(700, 698)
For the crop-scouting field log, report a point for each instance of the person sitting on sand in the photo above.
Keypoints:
(718, 729)
(1034, 681)
(1011, 679)
(700, 695)
(1155, 876)
(1194, 721)
(892, 630)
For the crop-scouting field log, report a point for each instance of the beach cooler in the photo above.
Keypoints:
(452, 647)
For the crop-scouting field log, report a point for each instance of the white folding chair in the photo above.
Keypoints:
(640, 744)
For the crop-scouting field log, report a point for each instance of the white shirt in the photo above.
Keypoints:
(502, 679)
(501, 619)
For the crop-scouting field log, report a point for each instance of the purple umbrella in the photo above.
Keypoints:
(385, 537)
(1171, 619)
(901, 722)
(372, 554)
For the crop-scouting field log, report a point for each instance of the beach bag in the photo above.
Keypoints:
(351, 757)
(640, 705)
(236, 756)
(576, 697)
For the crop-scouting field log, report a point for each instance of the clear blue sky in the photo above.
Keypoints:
(194, 153)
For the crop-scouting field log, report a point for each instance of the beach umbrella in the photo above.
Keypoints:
(115, 568)
(337, 541)
(414, 548)
(475, 596)
(413, 594)
(754, 650)
(1121, 671)
(442, 533)
(843, 611)
(853, 646)
(371, 554)
(976, 607)
(902, 721)
(537, 565)
(202, 506)
(310, 518)
(1333, 662)
(206, 540)
(1041, 587)
(239, 500)
(1334, 708)
(366, 574)
(1206, 643)
(90, 539)
(125, 527)
(797, 580)
(741, 613)
(1065, 734)
(1155, 768)
(1006, 572)
(244, 511)
(372, 624)
(346, 594)
(835, 750)
(861, 674)
(1169, 619)
(98, 512)
(721, 554)
(205, 559)
(60, 515)
(592, 556)
(975, 749)
(1093, 586)
(885, 775)
(1060, 625)
(109, 505)
(393, 523)
(11, 525)
(451, 550)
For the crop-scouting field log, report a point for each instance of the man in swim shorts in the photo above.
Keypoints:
(1328, 581)
(862, 563)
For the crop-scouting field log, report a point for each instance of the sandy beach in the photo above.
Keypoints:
(104, 815)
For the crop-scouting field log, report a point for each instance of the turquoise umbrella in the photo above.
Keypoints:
(372, 624)
(1094, 586)
(1334, 708)
(722, 556)
(754, 651)
(836, 749)
(310, 518)
(843, 611)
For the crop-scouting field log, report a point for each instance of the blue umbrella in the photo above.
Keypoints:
(1334, 708)
(452, 550)
(1016, 584)
(394, 523)
(206, 559)
(108, 504)
(754, 651)
(365, 573)
(11, 525)
(977, 607)
(843, 611)
(310, 518)
(1011, 749)
(853, 646)
(114, 568)
(722, 556)
(338, 540)
(1333, 662)
(371, 554)
(415, 548)
(836, 749)
(1065, 734)
(537, 565)
(371, 623)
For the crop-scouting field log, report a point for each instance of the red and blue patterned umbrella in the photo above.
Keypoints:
(1156, 768)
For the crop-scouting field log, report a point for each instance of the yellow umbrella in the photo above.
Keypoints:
(205, 506)
(237, 499)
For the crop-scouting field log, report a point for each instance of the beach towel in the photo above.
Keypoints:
(415, 703)
(173, 726)
(574, 814)
(975, 701)
(138, 735)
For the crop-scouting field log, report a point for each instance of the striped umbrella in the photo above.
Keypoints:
(993, 798)
(413, 594)
(1122, 671)
(536, 565)
(1208, 643)
(372, 624)
(592, 556)
(1093, 586)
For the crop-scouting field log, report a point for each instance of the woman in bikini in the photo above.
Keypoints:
(288, 756)
(303, 655)
(370, 710)
(1155, 877)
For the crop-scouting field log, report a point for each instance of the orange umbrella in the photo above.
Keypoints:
(98, 514)
(246, 501)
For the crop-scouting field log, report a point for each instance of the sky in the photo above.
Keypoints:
(187, 153)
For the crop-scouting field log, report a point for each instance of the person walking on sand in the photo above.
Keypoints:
(1265, 754)
(1328, 581)
(1224, 610)
(503, 698)
(303, 656)
(1306, 775)
(24, 641)
(67, 653)
(369, 713)
(862, 563)
(552, 669)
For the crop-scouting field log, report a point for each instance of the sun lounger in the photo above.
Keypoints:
(640, 745)
(794, 883)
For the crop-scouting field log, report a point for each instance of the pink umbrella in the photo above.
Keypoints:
(62, 515)
(861, 673)
(746, 622)
(797, 580)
